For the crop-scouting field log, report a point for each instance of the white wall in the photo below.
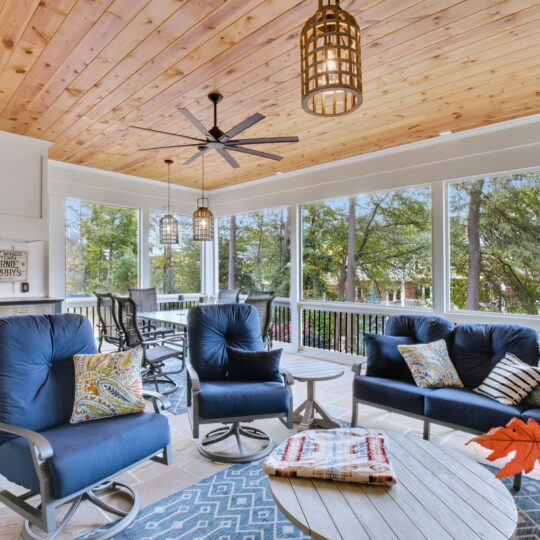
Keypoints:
(24, 209)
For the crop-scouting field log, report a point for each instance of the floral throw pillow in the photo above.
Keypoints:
(430, 364)
(107, 384)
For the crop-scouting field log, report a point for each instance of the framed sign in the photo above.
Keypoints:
(13, 265)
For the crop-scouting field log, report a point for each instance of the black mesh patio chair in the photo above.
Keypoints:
(146, 300)
(228, 296)
(109, 329)
(256, 293)
(155, 350)
(264, 306)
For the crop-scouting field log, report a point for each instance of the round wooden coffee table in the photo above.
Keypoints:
(311, 372)
(440, 494)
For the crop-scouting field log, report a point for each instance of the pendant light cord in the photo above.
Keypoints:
(203, 176)
(168, 186)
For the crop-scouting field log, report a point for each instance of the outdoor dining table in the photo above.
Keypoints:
(174, 317)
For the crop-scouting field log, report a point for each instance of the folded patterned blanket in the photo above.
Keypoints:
(344, 455)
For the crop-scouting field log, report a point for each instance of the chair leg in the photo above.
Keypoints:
(427, 427)
(517, 482)
(354, 418)
(100, 343)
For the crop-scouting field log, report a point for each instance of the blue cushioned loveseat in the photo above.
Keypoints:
(474, 350)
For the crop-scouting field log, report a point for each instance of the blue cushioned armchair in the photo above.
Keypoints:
(213, 397)
(45, 454)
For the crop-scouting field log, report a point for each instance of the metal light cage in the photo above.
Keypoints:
(330, 62)
(168, 228)
(203, 221)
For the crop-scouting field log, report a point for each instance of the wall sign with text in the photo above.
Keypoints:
(13, 265)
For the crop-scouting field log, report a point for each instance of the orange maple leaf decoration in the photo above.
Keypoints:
(518, 437)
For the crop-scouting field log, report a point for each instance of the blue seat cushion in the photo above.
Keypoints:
(230, 399)
(421, 328)
(463, 407)
(476, 348)
(88, 452)
(402, 395)
(533, 413)
(384, 358)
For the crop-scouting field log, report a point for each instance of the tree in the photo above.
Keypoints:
(495, 259)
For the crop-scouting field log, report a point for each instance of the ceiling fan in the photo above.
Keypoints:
(216, 139)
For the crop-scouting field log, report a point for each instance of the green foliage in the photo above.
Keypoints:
(101, 248)
(392, 247)
(176, 268)
(509, 230)
(262, 251)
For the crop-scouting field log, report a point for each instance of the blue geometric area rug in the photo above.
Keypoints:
(236, 504)
(178, 397)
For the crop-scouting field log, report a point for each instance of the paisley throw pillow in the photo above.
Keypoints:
(430, 364)
(107, 384)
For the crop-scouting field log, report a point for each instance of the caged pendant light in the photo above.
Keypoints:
(168, 226)
(330, 62)
(203, 219)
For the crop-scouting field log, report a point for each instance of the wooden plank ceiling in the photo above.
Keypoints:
(78, 72)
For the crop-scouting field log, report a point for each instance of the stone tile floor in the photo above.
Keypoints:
(154, 481)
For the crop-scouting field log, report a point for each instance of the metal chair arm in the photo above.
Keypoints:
(160, 341)
(194, 378)
(357, 367)
(175, 338)
(42, 445)
(287, 377)
(159, 401)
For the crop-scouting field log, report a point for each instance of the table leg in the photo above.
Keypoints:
(308, 417)
(298, 412)
(326, 421)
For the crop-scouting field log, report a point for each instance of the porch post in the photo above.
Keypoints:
(439, 291)
(296, 278)
(144, 247)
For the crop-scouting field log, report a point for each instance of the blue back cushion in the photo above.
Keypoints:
(211, 329)
(36, 368)
(254, 365)
(383, 356)
(421, 328)
(476, 348)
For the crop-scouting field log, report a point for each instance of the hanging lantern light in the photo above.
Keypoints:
(168, 226)
(330, 62)
(203, 219)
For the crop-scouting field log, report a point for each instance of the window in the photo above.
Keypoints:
(495, 244)
(254, 252)
(374, 249)
(175, 268)
(101, 248)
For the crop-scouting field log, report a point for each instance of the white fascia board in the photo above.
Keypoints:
(504, 147)
(12, 140)
(86, 183)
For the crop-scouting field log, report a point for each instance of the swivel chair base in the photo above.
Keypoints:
(226, 431)
(127, 518)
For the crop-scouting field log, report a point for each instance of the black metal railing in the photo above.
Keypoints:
(281, 325)
(90, 312)
(339, 331)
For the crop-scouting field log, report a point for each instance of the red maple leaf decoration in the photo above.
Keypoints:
(518, 437)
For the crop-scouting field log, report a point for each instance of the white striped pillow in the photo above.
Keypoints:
(510, 381)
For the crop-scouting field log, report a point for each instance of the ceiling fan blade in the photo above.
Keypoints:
(167, 133)
(196, 123)
(195, 156)
(248, 122)
(255, 152)
(264, 140)
(228, 158)
(164, 147)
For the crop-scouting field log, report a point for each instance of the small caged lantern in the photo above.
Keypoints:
(331, 68)
(203, 219)
(168, 226)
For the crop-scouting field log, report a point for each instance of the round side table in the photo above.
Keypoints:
(311, 372)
